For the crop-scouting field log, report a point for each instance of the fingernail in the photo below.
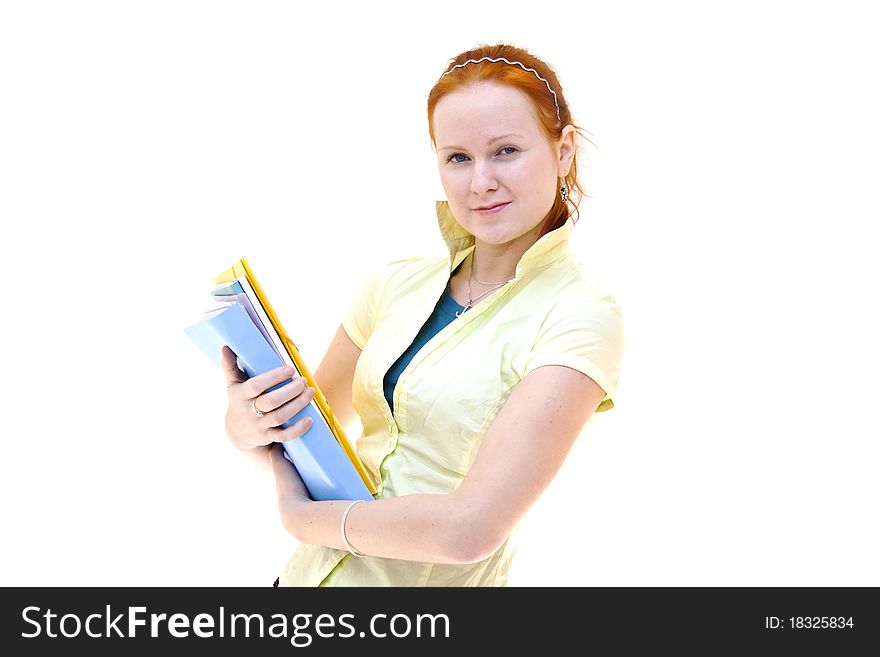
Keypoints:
(288, 371)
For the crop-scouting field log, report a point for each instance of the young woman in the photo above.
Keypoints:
(472, 374)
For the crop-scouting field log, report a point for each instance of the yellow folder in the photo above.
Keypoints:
(241, 270)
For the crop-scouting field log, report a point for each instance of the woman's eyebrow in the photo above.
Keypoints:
(488, 143)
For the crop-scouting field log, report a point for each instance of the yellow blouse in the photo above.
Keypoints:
(551, 313)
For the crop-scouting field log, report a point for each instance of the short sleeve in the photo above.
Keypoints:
(360, 316)
(586, 336)
(364, 309)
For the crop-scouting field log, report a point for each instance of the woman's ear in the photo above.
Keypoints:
(566, 147)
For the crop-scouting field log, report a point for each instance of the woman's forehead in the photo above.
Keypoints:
(484, 110)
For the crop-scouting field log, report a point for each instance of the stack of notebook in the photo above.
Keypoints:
(243, 320)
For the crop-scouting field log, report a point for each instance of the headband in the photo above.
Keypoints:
(512, 63)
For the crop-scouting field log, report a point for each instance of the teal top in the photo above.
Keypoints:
(444, 312)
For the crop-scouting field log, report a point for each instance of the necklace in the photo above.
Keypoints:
(484, 282)
(471, 299)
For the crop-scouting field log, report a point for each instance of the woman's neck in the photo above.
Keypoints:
(494, 264)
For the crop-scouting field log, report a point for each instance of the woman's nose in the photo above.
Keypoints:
(483, 179)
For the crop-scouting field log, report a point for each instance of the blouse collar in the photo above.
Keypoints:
(460, 243)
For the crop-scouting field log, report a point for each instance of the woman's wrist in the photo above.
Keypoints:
(259, 455)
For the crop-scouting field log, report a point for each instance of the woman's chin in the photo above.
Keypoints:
(499, 232)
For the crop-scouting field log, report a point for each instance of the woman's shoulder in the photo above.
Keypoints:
(577, 289)
(411, 269)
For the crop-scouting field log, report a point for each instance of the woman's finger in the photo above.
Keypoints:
(257, 385)
(283, 413)
(230, 368)
(269, 401)
(295, 430)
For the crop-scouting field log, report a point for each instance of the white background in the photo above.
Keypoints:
(145, 146)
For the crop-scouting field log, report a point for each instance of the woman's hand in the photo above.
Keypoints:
(245, 428)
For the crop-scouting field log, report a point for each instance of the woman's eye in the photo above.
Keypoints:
(458, 158)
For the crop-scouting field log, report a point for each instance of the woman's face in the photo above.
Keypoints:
(497, 167)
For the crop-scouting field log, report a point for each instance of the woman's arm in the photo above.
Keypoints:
(335, 376)
(412, 527)
(519, 456)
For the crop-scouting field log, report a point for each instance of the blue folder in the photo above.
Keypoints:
(322, 463)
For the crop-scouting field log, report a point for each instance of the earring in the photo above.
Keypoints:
(563, 192)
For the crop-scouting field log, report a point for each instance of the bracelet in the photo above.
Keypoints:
(342, 531)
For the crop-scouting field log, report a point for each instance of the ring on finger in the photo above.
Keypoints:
(257, 411)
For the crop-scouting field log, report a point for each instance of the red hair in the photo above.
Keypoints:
(537, 91)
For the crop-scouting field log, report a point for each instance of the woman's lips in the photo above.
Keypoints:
(495, 209)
